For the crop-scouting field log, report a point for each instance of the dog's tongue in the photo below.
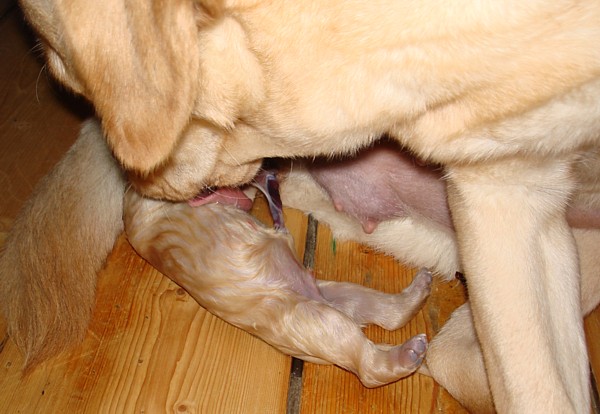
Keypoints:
(230, 196)
(266, 181)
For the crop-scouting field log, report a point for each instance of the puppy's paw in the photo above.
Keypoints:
(411, 353)
(403, 306)
(390, 364)
(421, 284)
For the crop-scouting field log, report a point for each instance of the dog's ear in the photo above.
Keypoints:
(137, 61)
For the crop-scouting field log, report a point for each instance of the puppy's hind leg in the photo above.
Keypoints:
(283, 306)
(369, 306)
(316, 332)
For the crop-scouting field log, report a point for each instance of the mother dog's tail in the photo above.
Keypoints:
(57, 245)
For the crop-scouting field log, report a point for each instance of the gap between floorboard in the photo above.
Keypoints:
(295, 384)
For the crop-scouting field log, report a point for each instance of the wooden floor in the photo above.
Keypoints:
(150, 348)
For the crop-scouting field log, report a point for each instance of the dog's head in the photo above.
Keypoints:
(141, 64)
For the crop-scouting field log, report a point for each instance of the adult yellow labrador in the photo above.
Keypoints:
(502, 94)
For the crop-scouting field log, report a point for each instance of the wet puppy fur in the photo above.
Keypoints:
(452, 84)
(249, 276)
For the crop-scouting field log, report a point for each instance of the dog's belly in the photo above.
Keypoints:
(386, 182)
(382, 183)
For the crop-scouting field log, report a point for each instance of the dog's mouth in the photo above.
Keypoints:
(266, 181)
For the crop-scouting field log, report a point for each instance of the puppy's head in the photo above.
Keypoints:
(137, 61)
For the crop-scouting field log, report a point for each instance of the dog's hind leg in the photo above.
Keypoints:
(454, 357)
(370, 306)
(58, 243)
(520, 259)
(455, 361)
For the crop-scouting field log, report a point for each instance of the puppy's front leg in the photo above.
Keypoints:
(520, 258)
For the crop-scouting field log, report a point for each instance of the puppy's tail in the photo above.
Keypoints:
(58, 243)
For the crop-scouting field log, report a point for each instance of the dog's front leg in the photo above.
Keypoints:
(524, 286)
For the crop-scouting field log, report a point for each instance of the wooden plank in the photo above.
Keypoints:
(592, 331)
(328, 389)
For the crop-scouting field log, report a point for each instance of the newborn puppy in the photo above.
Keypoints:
(249, 276)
